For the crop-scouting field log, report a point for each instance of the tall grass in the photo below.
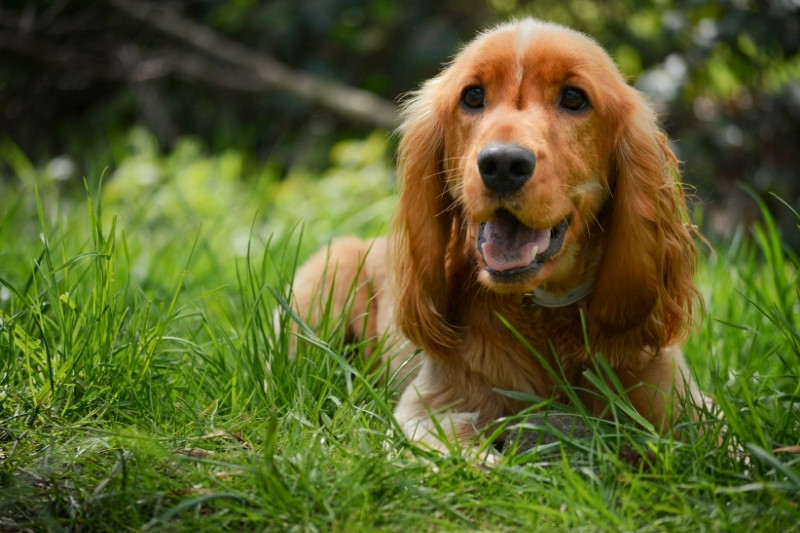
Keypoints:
(143, 385)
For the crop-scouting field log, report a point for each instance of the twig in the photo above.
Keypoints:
(356, 104)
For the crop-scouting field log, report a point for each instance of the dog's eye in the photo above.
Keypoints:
(573, 99)
(473, 97)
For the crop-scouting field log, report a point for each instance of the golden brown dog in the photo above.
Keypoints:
(539, 201)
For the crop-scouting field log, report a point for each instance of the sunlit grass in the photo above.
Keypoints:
(144, 387)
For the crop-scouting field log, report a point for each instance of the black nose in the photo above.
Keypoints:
(505, 168)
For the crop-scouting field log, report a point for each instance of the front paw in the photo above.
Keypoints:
(444, 432)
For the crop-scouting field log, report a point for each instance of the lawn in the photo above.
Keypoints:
(144, 387)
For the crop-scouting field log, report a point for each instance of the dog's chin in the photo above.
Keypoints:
(516, 258)
(519, 281)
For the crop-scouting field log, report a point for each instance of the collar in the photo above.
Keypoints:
(544, 298)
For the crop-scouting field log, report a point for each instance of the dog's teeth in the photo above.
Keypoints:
(534, 252)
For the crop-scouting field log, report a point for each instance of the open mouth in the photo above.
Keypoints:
(510, 248)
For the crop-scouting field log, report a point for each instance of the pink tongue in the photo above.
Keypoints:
(508, 243)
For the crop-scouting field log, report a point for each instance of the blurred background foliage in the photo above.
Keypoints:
(89, 90)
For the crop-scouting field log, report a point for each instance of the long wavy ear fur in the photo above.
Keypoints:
(644, 295)
(422, 227)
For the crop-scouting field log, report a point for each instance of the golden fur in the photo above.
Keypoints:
(604, 178)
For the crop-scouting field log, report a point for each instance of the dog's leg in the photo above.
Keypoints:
(432, 413)
(660, 389)
(346, 283)
(336, 283)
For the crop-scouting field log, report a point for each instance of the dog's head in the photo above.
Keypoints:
(532, 158)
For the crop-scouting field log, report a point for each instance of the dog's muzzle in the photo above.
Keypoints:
(509, 247)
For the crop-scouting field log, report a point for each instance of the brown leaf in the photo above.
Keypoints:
(787, 449)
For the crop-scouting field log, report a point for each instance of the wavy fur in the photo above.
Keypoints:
(603, 200)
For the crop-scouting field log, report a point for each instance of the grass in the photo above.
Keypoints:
(135, 392)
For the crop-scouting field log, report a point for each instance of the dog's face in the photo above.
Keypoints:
(530, 116)
(532, 158)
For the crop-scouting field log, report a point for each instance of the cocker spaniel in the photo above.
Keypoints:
(541, 221)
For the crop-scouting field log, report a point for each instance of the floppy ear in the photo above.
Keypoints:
(422, 227)
(644, 293)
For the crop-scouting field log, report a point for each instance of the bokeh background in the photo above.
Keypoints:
(264, 88)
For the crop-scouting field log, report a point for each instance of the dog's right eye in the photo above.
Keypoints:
(574, 99)
(473, 97)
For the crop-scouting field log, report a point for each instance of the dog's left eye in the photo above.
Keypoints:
(473, 97)
(573, 99)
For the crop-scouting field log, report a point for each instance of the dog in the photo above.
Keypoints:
(541, 221)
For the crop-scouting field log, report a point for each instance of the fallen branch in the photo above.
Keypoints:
(356, 104)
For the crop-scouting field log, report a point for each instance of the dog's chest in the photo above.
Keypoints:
(526, 348)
